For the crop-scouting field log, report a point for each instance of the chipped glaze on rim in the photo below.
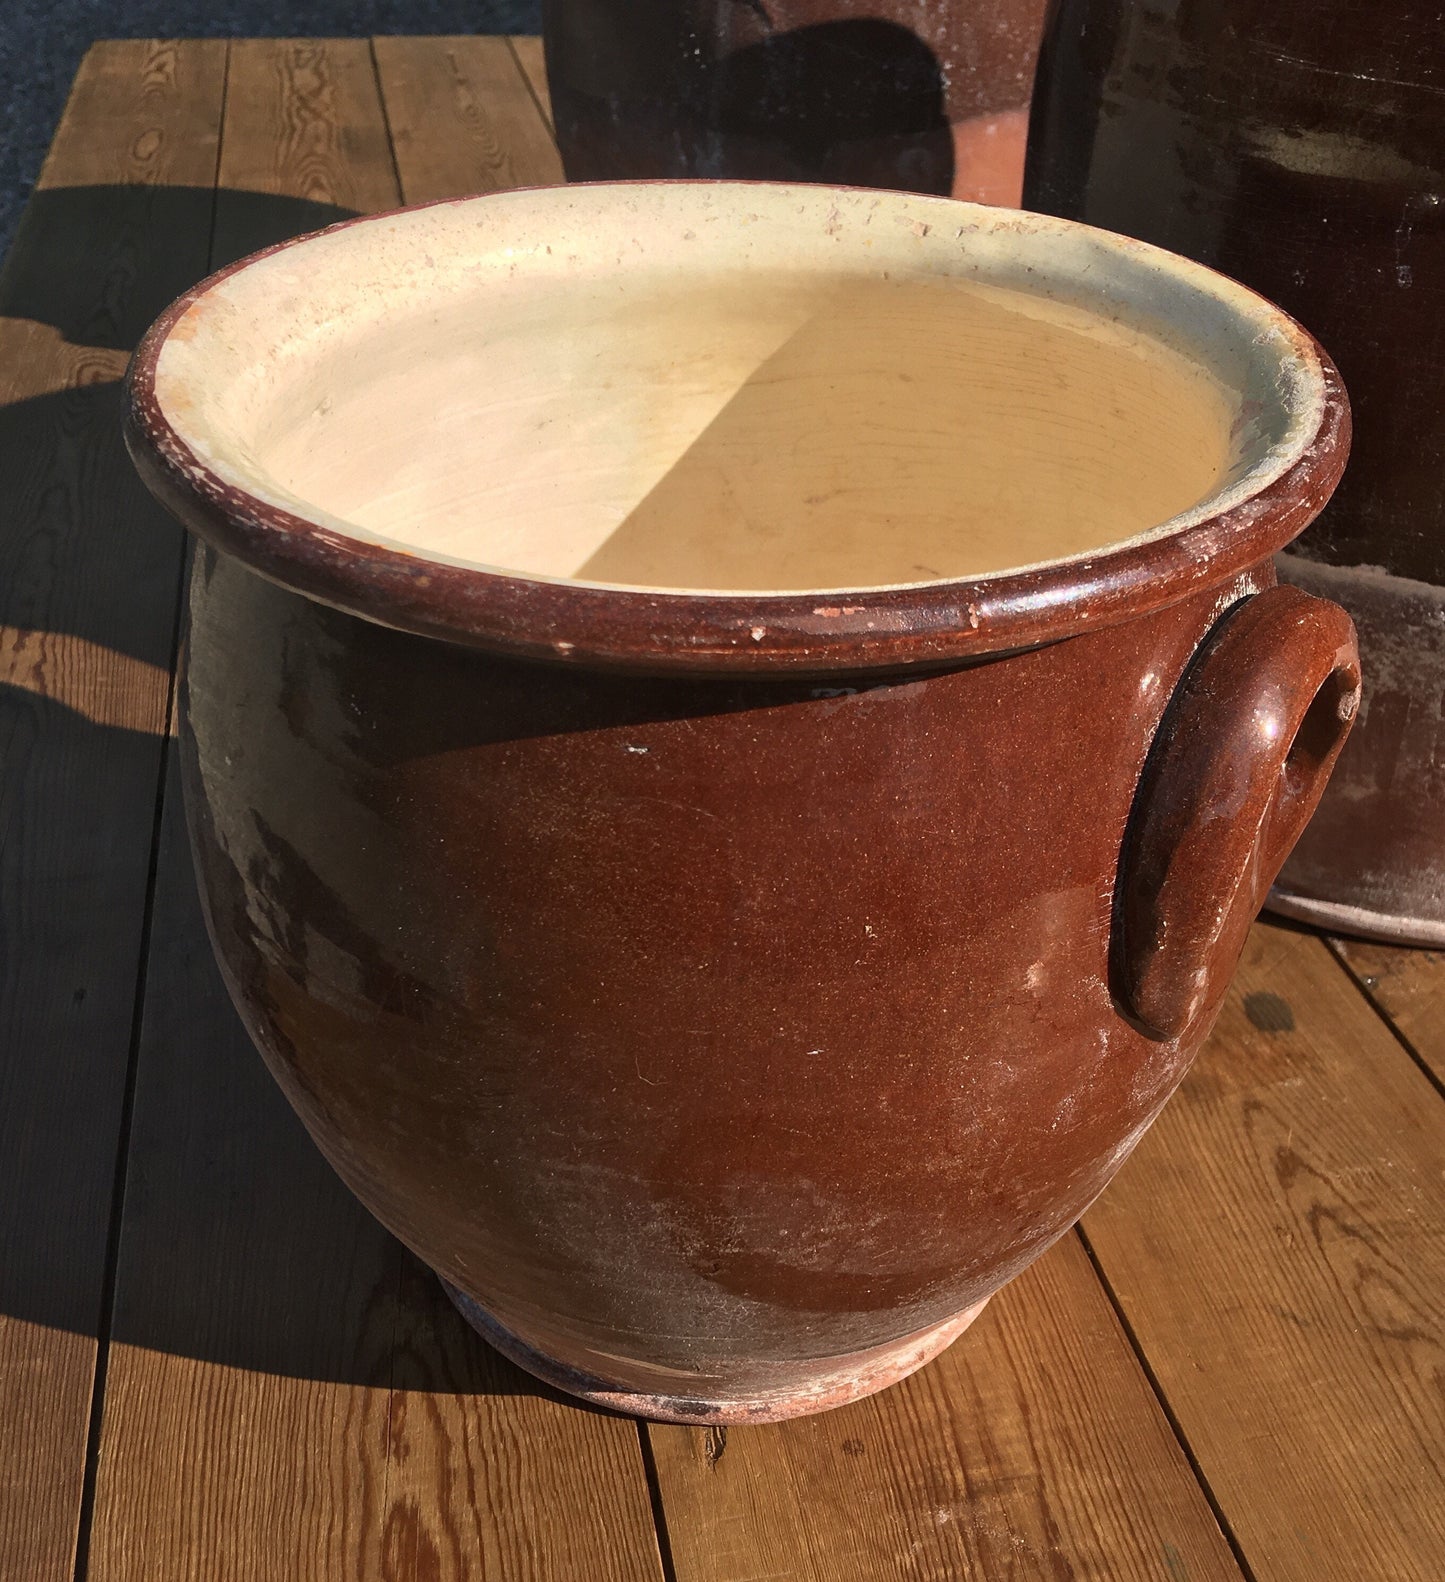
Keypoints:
(806, 632)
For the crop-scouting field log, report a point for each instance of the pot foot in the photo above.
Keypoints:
(837, 1381)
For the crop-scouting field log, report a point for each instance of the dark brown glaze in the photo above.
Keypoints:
(1300, 147)
(722, 992)
(697, 1028)
(921, 95)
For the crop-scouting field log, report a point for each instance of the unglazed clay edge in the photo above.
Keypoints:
(1338, 918)
(871, 1371)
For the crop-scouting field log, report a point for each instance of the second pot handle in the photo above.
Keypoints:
(1237, 766)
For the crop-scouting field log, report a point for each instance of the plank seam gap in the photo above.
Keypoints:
(1176, 1427)
(110, 1275)
(1359, 983)
(659, 1509)
(398, 1250)
(111, 1272)
(386, 121)
(542, 115)
(397, 1294)
(220, 157)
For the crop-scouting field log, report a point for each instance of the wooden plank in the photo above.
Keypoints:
(463, 119)
(1408, 986)
(531, 58)
(492, 1475)
(1277, 1244)
(118, 225)
(305, 142)
(245, 1426)
(289, 1393)
(1033, 1447)
(246, 1405)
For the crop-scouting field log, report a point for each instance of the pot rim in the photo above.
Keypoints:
(817, 631)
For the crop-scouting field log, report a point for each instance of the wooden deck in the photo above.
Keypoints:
(215, 1365)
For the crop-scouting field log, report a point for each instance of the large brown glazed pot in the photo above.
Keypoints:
(924, 95)
(732, 735)
(1299, 145)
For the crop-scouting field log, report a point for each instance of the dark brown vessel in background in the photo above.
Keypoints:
(1299, 145)
(921, 95)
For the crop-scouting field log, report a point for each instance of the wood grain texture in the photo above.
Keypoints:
(532, 59)
(246, 1414)
(1407, 986)
(289, 1393)
(1277, 1245)
(88, 587)
(1033, 1447)
(305, 142)
(493, 1475)
(463, 118)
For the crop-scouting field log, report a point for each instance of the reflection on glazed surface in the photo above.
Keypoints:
(1300, 148)
(918, 95)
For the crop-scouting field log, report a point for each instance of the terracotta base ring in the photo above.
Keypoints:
(862, 1373)
(1336, 918)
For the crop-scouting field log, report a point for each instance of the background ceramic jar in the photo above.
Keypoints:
(1299, 145)
(924, 95)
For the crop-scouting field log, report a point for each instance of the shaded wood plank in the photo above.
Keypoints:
(246, 1414)
(1408, 986)
(531, 58)
(289, 1393)
(463, 118)
(1033, 1447)
(118, 225)
(1277, 1244)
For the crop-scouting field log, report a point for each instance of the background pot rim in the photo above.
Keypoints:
(810, 631)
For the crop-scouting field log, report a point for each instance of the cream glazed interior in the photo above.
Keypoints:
(722, 387)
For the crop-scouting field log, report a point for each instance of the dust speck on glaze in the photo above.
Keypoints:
(726, 990)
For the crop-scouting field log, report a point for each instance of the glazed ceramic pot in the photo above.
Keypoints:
(924, 95)
(1299, 145)
(732, 735)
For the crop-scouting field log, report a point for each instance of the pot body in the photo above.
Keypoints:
(727, 986)
(1301, 148)
(725, 1042)
(923, 95)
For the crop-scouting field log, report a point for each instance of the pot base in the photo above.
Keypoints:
(1334, 917)
(863, 1373)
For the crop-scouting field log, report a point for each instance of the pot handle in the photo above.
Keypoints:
(1236, 768)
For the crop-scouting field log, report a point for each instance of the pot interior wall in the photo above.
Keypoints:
(688, 411)
(749, 433)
